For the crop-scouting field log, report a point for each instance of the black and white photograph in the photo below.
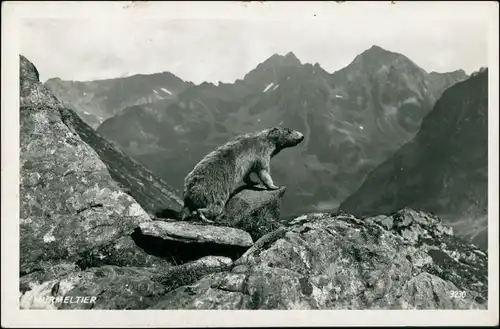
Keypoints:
(249, 156)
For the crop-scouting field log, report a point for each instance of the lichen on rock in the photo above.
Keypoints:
(341, 262)
(69, 202)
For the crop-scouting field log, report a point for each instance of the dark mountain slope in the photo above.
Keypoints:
(443, 170)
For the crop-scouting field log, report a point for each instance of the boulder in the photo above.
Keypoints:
(151, 192)
(255, 210)
(336, 261)
(184, 241)
(111, 287)
(69, 203)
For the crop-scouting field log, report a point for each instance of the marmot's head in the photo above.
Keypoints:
(284, 137)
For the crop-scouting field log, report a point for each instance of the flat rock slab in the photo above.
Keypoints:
(193, 233)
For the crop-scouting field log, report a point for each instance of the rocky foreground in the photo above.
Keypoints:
(86, 230)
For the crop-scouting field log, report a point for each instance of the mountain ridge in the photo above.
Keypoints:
(94, 107)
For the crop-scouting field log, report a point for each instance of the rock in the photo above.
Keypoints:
(255, 210)
(183, 241)
(222, 292)
(31, 91)
(192, 233)
(70, 205)
(341, 262)
(47, 273)
(147, 189)
(427, 291)
(189, 273)
(113, 287)
(121, 252)
(69, 202)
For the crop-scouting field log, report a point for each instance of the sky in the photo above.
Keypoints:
(215, 47)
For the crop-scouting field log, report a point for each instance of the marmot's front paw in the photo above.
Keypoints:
(274, 187)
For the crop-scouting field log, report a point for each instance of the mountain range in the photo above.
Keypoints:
(353, 119)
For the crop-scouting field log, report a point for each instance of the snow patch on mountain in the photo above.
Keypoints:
(411, 100)
(268, 87)
(167, 91)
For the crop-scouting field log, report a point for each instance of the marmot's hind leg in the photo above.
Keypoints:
(266, 179)
(201, 215)
(248, 180)
(210, 213)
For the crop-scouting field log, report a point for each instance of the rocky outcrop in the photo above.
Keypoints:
(191, 233)
(405, 261)
(183, 241)
(113, 287)
(76, 221)
(147, 189)
(255, 210)
(70, 205)
(72, 208)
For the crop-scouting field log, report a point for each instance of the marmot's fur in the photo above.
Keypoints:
(209, 185)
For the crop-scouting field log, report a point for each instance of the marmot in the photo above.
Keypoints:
(209, 185)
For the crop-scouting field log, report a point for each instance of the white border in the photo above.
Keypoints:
(13, 317)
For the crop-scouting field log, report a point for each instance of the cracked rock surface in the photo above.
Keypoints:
(322, 261)
(69, 203)
(255, 210)
(114, 287)
(81, 204)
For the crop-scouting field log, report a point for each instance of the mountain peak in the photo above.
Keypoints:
(377, 48)
(289, 59)
(376, 51)
(376, 56)
(291, 55)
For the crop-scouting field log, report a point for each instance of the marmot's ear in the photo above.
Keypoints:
(273, 131)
